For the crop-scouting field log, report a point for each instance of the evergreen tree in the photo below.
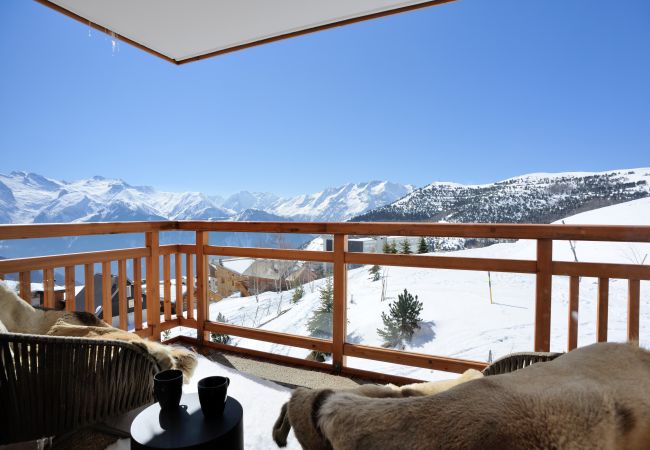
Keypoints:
(220, 338)
(320, 323)
(405, 247)
(375, 272)
(422, 246)
(298, 293)
(401, 321)
(386, 248)
(393, 247)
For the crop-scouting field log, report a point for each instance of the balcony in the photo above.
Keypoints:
(190, 322)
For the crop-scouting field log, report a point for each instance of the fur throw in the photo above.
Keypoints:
(20, 317)
(594, 397)
(299, 410)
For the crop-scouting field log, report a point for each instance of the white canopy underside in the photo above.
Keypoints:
(181, 30)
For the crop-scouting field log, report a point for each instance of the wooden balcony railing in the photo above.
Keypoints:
(196, 265)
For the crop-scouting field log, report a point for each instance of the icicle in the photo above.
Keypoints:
(115, 47)
(89, 30)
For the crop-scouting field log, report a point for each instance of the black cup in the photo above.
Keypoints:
(168, 388)
(213, 392)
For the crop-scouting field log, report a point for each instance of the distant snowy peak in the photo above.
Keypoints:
(31, 198)
(340, 203)
(244, 200)
(27, 197)
(532, 198)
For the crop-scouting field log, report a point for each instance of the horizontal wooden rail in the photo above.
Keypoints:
(614, 233)
(168, 249)
(444, 262)
(293, 340)
(45, 262)
(81, 229)
(601, 270)
(412, 359)
(269, 253)
(299, 362)
(188, 249)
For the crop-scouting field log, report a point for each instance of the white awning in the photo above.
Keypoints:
(182, 31)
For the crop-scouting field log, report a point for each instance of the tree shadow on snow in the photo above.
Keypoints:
(424, 334)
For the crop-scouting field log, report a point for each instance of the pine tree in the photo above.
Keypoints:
(320, 323)
(393, 247)
(422, 246)
(298, 293)
(405, 247)
(375, 272)
(219, 337)
(386, 248)
(401, 321)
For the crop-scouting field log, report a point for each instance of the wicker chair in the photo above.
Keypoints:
(516, 361)
(53, 385)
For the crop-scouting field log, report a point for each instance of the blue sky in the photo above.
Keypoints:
(472, 91)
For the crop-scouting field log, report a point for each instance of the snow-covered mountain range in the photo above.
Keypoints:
(533, 198)
(32, 198)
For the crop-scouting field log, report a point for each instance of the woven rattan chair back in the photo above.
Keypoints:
(52, 385)
(516, 361)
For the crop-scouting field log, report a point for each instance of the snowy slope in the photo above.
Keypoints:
(458, 318)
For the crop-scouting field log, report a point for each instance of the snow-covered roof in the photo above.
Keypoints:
(187, 31)
(271, 269)
(238, 265)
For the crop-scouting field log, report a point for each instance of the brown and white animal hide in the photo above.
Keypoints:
(298, 411)
(20, 317)
(595, 397)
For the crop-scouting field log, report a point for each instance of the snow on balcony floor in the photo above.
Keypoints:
(261, 400)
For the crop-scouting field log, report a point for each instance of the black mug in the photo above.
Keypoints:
(213, 392)
(168, 388)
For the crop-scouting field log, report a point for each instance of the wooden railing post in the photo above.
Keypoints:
(26, 286)
(89, 287)
(543, 295)
(152, 241)
(70, 300)
(339, 313)
(48, 288)
(602, 309)
(137, 293)
(574, 306)
(123, 306)
(633, 300)
(189, 277)
(107, 293)
(202, 274)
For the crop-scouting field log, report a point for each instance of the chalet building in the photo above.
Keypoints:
(249, 276)
(80, 300)
(304, 274)
(269, 275)
(225, 278)
(38, 295)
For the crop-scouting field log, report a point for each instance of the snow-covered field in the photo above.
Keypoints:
(458, 318)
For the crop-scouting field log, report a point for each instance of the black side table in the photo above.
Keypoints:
(187, 428)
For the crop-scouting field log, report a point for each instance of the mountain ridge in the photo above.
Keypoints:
(27, 197)
(529, 198)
